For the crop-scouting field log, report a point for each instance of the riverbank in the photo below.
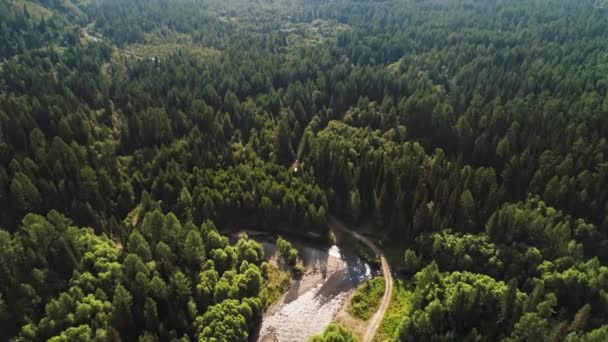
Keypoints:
(333, 271)
(283, 319)
(349, 322)
(332, 274)
(377, 318)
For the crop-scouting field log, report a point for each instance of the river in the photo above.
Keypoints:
(311, 303)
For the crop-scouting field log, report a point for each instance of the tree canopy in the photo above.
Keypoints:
(471, 135)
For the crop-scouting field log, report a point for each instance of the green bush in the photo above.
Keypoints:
(334, 333)
(290, 256)
(367, 298)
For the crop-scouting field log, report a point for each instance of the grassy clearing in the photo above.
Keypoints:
(364, 303)
(394, 67)
(161, 50)
(277, 283)
(134, 216)
(399, 307)
(314, 33)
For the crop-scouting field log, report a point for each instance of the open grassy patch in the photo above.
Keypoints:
(313, 33)
(133, 216)
(366, 300)
(161, 50)
(394, 67)
(399, 307)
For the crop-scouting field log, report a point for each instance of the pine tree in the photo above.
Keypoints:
(508, 305)
(184, 206)
(122, 318)
(411, 262)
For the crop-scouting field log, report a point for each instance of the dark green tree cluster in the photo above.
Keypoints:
(264, 195)
(55, 152)
(90, 145)
(375, 173)
(247, 193)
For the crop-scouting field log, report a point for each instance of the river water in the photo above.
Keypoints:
(311, 303)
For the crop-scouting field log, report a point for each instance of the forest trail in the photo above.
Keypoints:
(374, 322)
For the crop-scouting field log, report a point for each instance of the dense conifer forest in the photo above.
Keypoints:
(468, 136)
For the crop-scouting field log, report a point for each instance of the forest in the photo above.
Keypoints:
(470, 135)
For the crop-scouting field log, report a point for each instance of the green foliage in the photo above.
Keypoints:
(264, 195)
(597, 335)
(454, 304)
(289, 254)
(334, 333)
(398, 183)
(364, 303)
(399, 308)
(226, 321)
(278, 282)
(457, 251)
(82, 285)
(411, 261)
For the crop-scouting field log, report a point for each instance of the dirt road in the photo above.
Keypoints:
(374, 322)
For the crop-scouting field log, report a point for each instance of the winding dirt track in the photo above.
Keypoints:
(374, 322)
